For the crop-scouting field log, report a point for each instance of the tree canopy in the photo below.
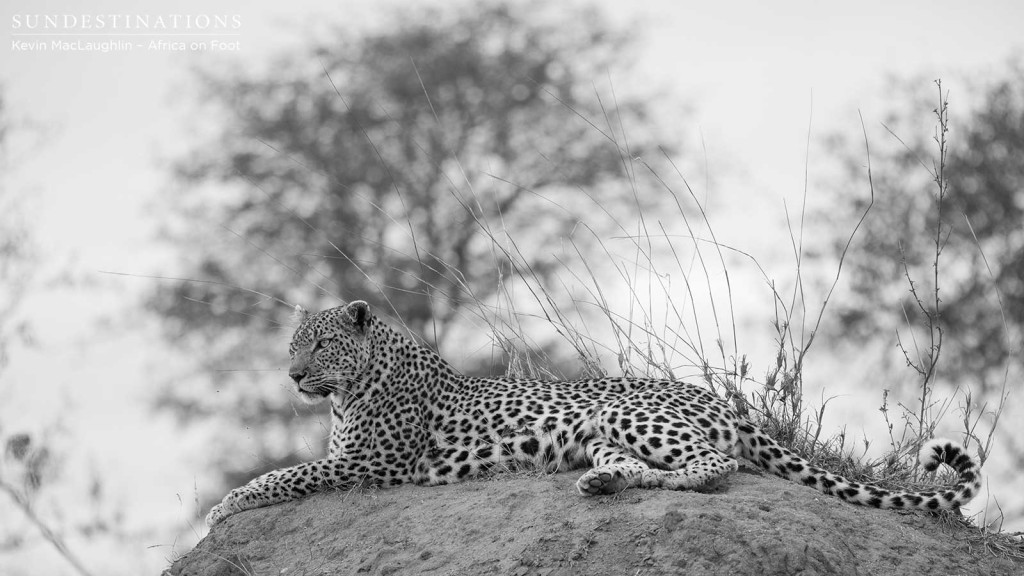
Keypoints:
(371, 166)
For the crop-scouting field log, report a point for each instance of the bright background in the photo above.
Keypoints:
(756, 74)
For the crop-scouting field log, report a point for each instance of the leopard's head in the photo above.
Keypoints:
(330, 350)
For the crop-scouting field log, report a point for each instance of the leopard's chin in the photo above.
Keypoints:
(313, 397)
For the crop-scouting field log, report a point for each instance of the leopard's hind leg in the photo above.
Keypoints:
(615, 470)
(706, 467)
(651, 439)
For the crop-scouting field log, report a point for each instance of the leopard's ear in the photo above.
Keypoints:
(359, 313)
(299, 316)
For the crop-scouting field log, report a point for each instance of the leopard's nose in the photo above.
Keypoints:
(297, 375)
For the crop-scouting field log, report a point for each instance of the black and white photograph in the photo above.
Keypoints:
(511, 287)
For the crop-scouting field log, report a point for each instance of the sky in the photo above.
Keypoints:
(101, 129)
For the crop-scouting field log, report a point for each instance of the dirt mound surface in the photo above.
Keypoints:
(526, 525)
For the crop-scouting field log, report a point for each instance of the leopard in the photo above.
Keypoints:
(401, 414)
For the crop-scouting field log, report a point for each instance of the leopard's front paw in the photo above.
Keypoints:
(227, 507)
(218, 513)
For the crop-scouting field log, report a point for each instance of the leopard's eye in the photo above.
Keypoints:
(323, 342)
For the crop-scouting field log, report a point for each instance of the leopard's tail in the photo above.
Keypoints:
(761, 449)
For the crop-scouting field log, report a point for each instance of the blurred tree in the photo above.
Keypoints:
(385, 181)
(985, 171)
(27, 462)
(15, 254)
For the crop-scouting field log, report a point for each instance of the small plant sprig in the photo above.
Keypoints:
(921, 420)
(925, 363)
